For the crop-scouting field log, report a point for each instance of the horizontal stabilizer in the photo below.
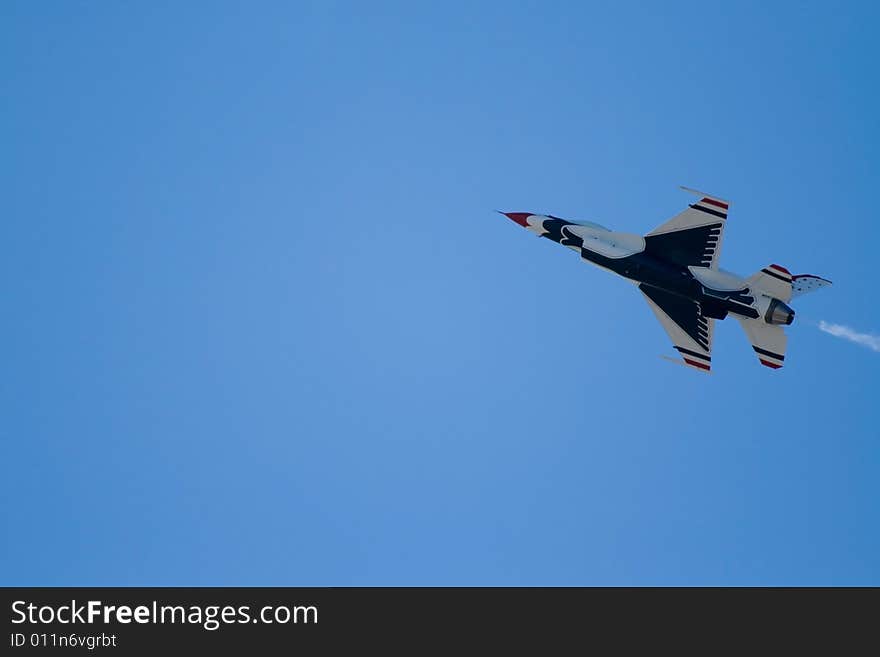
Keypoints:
(768, 341)
(773, 280)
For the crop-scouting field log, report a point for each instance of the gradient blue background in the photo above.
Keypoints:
(262, 325)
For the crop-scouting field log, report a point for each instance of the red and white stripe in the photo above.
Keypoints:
(779, 271)
(695, 359)
(713, 205)
(769, 359)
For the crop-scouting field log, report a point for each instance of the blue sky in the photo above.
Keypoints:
(263, 326)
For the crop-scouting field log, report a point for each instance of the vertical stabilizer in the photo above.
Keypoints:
(804, 283)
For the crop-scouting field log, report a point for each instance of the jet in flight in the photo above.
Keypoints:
(675, 267)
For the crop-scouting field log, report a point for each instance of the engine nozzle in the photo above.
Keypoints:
(778, 312)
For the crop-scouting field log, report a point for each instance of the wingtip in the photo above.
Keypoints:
(679, 361)
(697, 192)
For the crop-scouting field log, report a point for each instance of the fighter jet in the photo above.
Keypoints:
(675, 267)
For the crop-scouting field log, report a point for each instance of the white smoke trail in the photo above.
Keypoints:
(840, 331)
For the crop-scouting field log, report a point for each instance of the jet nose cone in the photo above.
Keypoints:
(518, 217)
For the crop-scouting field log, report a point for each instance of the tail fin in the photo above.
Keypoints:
(767, 340)
(803, 283)
(774, 280)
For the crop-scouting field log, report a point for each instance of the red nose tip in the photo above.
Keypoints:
(518, 217)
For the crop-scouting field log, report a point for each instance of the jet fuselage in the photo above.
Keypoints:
(626, 255)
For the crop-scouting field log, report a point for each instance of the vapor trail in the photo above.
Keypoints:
(868, 340)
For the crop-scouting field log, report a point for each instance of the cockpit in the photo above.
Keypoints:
(588, 224)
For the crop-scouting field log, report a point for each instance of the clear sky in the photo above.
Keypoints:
(263, 326)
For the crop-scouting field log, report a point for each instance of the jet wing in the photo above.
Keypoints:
(692, 237)
(690, 332)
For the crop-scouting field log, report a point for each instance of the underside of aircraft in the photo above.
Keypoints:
(675, 267)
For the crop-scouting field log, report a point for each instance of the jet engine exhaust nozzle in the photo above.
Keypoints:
(779, 313)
